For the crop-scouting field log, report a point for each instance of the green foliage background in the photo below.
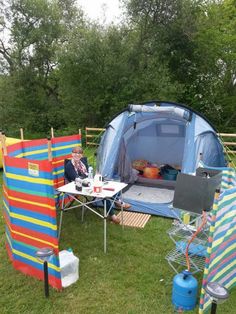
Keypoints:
(57, 68)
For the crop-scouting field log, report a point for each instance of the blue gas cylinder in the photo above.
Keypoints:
(184, 292)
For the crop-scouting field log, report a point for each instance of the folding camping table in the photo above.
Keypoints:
(111, 191)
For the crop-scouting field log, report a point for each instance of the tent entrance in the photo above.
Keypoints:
(151, 200)
(144, 193)
(159, 141)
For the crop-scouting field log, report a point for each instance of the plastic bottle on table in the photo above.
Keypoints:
(90, 173)
(78, 184)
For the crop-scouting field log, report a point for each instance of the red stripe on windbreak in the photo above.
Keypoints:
(36, 241)
(9, 252)
(59, 162)
(59, 182)
(32, 143)
(32, 198)
(39, 274)
(35, 143)
(6, 219)
(44, 165)
(68, 138)
(33, 242)
(6, 191)
(222, 246)
(35, 234)
(224, 261)
(13, 147)
(34, 208)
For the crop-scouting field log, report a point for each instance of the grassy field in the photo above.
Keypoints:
(133, 277)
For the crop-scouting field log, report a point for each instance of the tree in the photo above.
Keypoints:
(38, 30)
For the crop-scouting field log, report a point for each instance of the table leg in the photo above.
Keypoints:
(60, 224)
(82, 214)
(105, 225)
(122, 208)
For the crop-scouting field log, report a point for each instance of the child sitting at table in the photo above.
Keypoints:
(78, 166)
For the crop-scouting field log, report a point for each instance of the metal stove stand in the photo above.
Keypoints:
(180, 234)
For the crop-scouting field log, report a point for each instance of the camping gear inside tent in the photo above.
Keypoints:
(164, 135)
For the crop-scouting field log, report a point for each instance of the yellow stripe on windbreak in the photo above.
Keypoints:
(206, 304)
(33, 238)
(60, 182)
(224, 270)
(227, 216)
(223, 254)
(212, 228)
(230, 283)
(34, 259)
(58, 172)
(35, 152)
(64, 147)
(7, 208)
(221, 239)
(9, 241)
(227, 198)
(34, 221)
(58, 161)
(28, 179)
(32, 203)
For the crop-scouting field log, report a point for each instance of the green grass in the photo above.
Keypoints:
(133, 277)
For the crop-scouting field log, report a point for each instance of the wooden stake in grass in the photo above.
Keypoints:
(52, 132)
(22, 134)
(3, 141)
(49, 149)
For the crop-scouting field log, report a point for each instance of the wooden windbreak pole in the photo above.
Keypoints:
(49, 149)
(3, 140)
(52, 132)
(22, 134)
(80, 137)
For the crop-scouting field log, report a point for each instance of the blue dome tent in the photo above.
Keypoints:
(162, 133)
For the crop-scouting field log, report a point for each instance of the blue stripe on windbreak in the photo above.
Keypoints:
(38, 266)
(229, 192)
(5, 200)
(34, 227)
(58, 168)
(31, 214)
(224, 232)
(30, 186)
(8, 232)
(62, 144)
(25, 172)
(31, 250)
(36, 156)
(35, 193)
(35, 148)
(222, 264)
(59, 153)
(230, 243)
(28, 149)
(6, 212)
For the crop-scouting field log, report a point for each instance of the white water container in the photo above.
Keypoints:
(97, 183)
(69, 265)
